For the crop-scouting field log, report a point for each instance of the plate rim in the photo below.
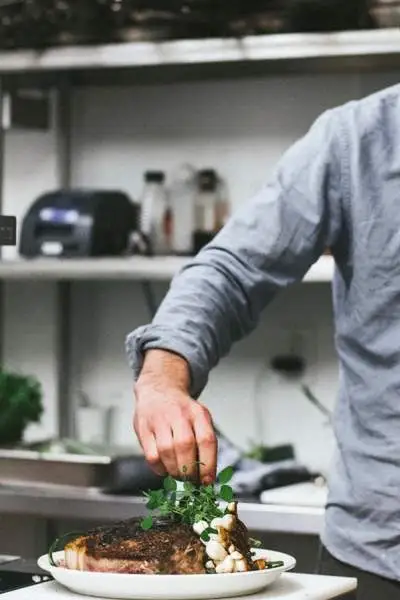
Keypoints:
(290, 563)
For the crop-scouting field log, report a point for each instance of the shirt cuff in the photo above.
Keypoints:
(154, 337)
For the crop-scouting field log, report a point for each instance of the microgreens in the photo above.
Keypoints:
(191, 504)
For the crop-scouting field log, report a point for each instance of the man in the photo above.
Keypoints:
(338, 187)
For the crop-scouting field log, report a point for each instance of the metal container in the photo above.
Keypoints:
(58, 463)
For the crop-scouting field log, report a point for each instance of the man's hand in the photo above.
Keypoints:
(174, 430)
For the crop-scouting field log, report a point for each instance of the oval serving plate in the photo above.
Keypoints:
(168, 587)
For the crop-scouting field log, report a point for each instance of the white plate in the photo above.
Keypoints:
(167, 587)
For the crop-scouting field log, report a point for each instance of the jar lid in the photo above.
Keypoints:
(208, 180)
(154, 177)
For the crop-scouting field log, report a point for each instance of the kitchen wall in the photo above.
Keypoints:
(241, 128)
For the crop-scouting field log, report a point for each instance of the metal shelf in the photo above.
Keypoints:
(64, 502)
(119, 269)
(282, 49)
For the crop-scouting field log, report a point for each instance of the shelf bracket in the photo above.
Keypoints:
(2, 166)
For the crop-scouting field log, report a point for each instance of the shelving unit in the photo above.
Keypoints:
(121, 269)
(65, 68)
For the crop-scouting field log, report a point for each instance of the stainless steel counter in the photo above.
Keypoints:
(61, 502)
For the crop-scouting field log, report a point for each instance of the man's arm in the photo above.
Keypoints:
(217, 299)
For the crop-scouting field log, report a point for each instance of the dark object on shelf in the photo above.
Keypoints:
(206, 208)
(283, 477)
(385, 13)
(328, 15)
(27, 109)
(43, 23)
(20, 405)
(257, 17)
(157, 19)
(201, 239)
(78, 223)
(290, 365)
(131, 475)
(40, 24)
(8, 230)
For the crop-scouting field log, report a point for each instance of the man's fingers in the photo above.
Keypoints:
(149, 445)
(185, 448)
(165, 446)
(206, 443)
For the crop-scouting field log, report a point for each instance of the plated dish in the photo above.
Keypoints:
(192, 544)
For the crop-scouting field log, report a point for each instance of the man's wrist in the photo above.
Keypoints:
(165, 368)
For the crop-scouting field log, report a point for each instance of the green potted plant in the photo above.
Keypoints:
(20, 405)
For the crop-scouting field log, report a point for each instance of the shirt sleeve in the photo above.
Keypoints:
(268, 244)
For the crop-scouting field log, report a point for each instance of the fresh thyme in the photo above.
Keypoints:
(192, 504)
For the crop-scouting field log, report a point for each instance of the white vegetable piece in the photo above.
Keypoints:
(200, 527)
(228, 522)
(240, 566)
(215, 550)
(226, 566)
(217, 522)
(232, 508)
(231, 549)
(236, 555)
(210, 565)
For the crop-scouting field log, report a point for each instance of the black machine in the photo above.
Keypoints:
(79, 223)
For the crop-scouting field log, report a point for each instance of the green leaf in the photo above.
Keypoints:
(170, 484)
(225, 476)
(226, 493)
(152, 504)
(147, 523)
(205, 536)
(275, 565)
(155, 499)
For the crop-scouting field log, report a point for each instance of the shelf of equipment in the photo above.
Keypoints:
(121, 269)
(65, 68)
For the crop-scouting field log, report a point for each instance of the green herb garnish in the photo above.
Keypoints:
(255, 543)
(191, 504)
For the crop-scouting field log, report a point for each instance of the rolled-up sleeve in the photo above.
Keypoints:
(268, 244)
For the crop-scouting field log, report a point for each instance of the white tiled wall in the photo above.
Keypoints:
(241, 128)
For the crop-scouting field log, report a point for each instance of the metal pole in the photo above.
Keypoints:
(2, 164)
(66, 421)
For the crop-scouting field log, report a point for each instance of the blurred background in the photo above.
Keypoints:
(130, 131)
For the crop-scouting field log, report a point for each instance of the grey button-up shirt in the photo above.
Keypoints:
(339, 186)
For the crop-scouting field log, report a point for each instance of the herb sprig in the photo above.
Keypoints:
(191, 504)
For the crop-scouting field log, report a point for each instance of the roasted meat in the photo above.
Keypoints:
(169, 547)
